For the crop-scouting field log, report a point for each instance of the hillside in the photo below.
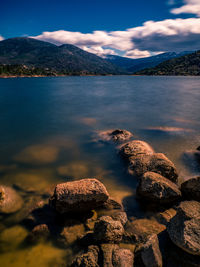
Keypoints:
(185, 65)
(31, 54)
(132, 65)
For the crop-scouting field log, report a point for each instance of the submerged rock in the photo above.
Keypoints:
(79, 196)
(135, 148)
(184, 227)
(156, 188)
(191, 188)
(10, 201)
(107, 230)
(150, 254)
(39, 232)
(117, 135)
(156, 162)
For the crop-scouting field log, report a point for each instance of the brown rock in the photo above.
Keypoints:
(39, 232)
(157, 162)
(70, 234)
(191, 188)
(165, 216)
(184, 227)
(151, 255)
(10, 201)
(156, 188)
(120, 216)
(78, 196)
(88, 259)
(122, 258)
(107, 230)
(107, 254)
(135, 148)
(117, 135)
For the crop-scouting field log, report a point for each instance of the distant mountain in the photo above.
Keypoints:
(133, 65)
(32, 56)
(185, 65)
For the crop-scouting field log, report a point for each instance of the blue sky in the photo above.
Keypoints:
(130, 28)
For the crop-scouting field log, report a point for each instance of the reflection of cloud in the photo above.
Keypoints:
(1, 38)
(152, 36)
(190, 7)
(88, 121)
(38, 154)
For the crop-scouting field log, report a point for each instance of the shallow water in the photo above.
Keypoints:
(47, 135)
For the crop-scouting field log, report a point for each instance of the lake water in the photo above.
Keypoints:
(48, 135)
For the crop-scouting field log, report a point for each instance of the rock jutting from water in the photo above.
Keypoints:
(117, 135)
(184, 227)
(10, 200)
(78, 196)
(191, 188)
(154, 187)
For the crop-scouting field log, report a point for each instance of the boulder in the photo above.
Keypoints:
(10, 200)
(150, 254)
(191, 188)
(88, 259)
(122, 258)
(120, 216)
(156, 162)
(184, 227)
(156, 188)
(79, 196)
(107, 230)
(117, 135)
(134, 148)
(107, 254)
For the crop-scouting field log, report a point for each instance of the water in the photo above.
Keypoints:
(47, 136)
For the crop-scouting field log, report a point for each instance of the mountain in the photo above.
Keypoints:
(31, 55)
(185, 65)
(133, 65)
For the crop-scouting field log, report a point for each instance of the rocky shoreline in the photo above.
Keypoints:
(83, 216)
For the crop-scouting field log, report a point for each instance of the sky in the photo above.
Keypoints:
(131, 28)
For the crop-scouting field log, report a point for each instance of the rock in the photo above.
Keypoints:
(184, 227)
(156, 188)
(79, 196)
(191, 188)
(117, 135)
(88, 259)
(139, 230)
(10, 201)
(122, 258)
(112, 204)
(157, 162)
(39, 232)
(135, 148)
(120, 216)
(107, 254)
(165, 216)
(151, 255)
(71, 234)
(107, 230)
(89, 224)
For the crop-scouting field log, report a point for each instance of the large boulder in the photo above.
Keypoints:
(156, 188)
(134, 148)
(107, 230)
(10, 201)
(184, 227)
(191, 188)
(150, 254)
(156, 162)
(78, 196)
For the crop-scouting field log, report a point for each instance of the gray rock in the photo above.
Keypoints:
(10, 200)
(191, 188)
(107, 230)
(122, 258)
(184, 227)
(156, 188)
(151, 255)
(135, 148)
(78, 196)
(156, 162)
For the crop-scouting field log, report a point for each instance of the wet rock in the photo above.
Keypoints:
(184, 227)
(39, 232)
(107, 254)
(122, 258)
(107, 230)
(10, 201)
(139, 230)
(120, 216)
(117, 135)
(70, 234)
(151, 255)
(165, 216)
(79, 196)
(157, 162)
(191, 188)
(135, 148)
(156, 188)
(89, 224)
(112, 204)
(88, 259)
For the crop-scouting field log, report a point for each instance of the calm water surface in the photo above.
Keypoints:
(48, 135)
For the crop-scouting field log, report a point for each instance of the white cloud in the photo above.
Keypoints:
(1, 38)
(190, 7)
(167, 35)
